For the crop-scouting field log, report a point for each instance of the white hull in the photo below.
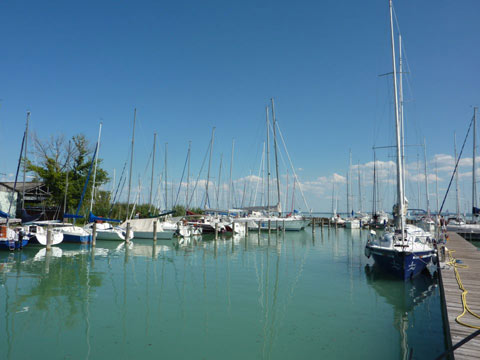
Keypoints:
(352, 224)
(161, 235)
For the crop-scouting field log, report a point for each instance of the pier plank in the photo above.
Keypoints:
(469, 255)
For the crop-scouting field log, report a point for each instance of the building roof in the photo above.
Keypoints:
(19, 188)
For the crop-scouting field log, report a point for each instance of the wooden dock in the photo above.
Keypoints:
(469, 255)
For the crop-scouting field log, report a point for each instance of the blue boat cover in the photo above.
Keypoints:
(4, 214)
(72, 216)
(92, 218)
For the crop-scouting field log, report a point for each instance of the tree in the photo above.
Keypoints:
(56, 158)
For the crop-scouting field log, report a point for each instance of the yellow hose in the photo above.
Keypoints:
(453, 262)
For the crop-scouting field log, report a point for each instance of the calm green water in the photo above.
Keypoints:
(292, 297)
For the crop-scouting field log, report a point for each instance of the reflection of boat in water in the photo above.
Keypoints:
(403, 296)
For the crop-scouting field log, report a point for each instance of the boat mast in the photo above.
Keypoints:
(426, 176)
(207, 200)
(334, 210)
(276, 157)
(456, 175)
(66, 179)
(474, 181)
(219, 181)
(360, 207)
(400, 98)
(230, 184)
(436, 186)
(374, 192)
(400, 189)
(268, 161)
(25, 160)
(131, 162)
(153, 168)
(166, 183)
(95, 167)
(188, 174)
(418, 182)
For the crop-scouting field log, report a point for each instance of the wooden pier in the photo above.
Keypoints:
(469, 271)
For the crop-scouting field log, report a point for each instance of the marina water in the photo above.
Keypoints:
(287, 296)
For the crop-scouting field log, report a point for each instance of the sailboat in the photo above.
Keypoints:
(406, 251)
(426, 222)
(470, 231)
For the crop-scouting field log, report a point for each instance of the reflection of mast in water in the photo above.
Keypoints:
(403, 296)
(87, 304)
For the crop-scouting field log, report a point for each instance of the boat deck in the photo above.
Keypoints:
(469, 255)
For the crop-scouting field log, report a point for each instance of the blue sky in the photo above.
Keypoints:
(188, 66)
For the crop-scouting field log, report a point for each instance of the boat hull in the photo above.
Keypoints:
(77, 239)
(12, 244)
(403, 265)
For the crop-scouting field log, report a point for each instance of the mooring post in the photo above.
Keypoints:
(283, 227)
(127, 235)
(313, 225)
(259, 227)
(216, 231)
(246, 229)
(269, 226)
(276, 225)
(49, 238)
(94, 234)
(155, 230)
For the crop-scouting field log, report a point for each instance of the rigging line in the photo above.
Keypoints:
(119, 184)
(180, 183)
(456, 165)
(293, 169)
(199, 173)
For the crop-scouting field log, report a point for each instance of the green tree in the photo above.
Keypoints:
(55, 159)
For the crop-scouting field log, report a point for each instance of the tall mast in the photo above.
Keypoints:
(436, 185)
(153, 168)
(400, 190)
(276, 158)
(66, 180)
(400, 98)
(456, 175)
(230, 185)
(426, 176)
(166, 183)
(286, 194)
(474, 181)
(333, 197)
(25, 160)
(268, 161)
(349, 188)
(360, 207)
(219, 181)
(374, 211)
(207, 200)
(131, 162)
(188, 174)
(418, 182)
(95, 168)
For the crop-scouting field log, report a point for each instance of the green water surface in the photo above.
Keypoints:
(289, 296)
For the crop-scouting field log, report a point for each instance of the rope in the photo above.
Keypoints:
(454, 262)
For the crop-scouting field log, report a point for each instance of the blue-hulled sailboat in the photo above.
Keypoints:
(406, 251)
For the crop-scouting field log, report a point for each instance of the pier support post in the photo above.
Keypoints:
(216, 231)
(313, 225)
(94, 234)
(246, 229)
(269, 226)
(259, 227)
(283, 227)
(49, 238)
(155, 230)
(127, 235)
